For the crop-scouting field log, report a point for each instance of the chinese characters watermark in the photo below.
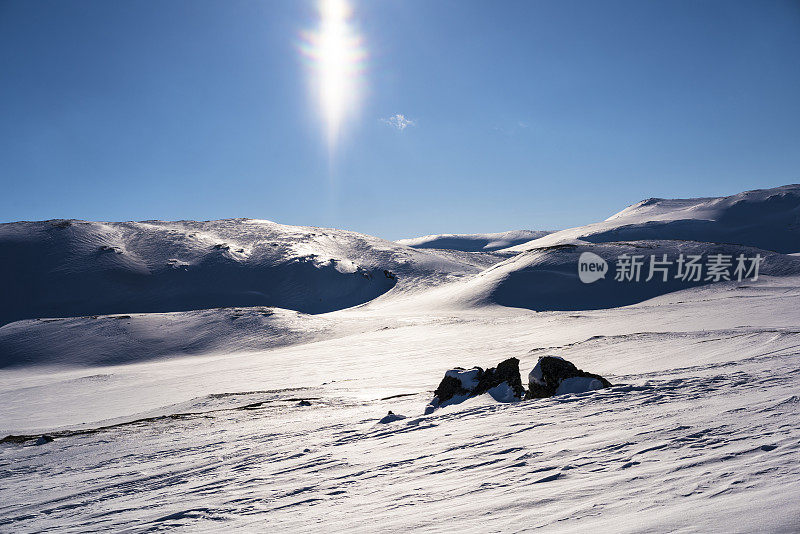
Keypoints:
(659, 267)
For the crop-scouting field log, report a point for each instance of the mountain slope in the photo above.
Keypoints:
(474, 242)
(763, 218)
(547, 278)
(72, 268)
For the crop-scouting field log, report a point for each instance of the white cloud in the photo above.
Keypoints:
(399, 121)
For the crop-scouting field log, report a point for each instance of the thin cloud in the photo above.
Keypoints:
(510, 129)
(399, 121)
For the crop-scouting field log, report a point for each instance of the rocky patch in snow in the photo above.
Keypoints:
(556, 376)
(551, 376)
(503, 383)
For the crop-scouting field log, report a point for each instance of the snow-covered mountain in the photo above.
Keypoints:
(547, 278)
(763, 218)
(474, 242)
(71, 268)
(135, 401)
(90, 293)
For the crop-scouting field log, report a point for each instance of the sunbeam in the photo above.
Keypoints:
(337, 58)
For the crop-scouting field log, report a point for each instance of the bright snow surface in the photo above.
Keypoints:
(192, 419)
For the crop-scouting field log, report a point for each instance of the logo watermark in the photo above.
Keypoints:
(591, 267)
(686, 267)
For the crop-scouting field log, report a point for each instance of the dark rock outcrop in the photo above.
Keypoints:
(450, 386)
(553, 376)
(507, 371)
(459, 384)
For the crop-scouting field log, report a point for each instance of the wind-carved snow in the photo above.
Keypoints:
(256, 417)
(578, 384)
(502, 393)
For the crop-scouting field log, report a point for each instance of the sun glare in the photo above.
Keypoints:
(337, 60)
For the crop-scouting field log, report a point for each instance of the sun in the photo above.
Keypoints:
(337, 57)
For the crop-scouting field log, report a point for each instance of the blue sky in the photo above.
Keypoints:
(526, 114)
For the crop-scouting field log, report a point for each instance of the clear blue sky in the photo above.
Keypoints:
(526, 114)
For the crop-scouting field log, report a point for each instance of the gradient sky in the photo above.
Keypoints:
(526, 114)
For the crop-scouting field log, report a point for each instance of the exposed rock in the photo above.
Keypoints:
(551, 376)
(459, 384)
(556, 376)
(41, 440)
(304, 403)
(507, 372)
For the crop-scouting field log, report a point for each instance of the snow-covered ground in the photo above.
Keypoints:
(191, 419)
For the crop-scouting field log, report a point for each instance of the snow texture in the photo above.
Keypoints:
(578, 384)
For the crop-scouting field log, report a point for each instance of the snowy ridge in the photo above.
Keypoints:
(763, 218)
(73, 268)
(547, 278)
(474, 242)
